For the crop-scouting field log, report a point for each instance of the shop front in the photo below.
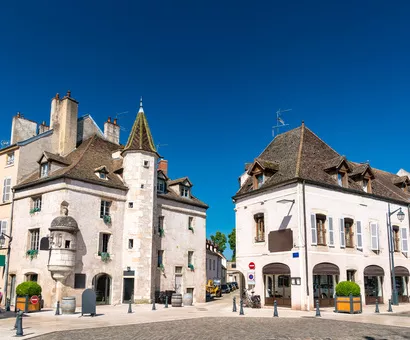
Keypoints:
(277, 284)
(373, 284)
(325, 279)
(402, 283)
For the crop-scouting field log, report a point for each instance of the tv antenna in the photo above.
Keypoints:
(120, 113)
(4, 143)
(159, 145)
(279, 121)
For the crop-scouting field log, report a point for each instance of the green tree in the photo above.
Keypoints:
(220, 240)
(232, 243)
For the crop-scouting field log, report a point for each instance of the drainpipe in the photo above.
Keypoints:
(306, 244)
(6, 269)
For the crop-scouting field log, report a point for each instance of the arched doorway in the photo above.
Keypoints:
(277, 284)
(402, 283)
(373, 284)
(325, 279)
(102, 287)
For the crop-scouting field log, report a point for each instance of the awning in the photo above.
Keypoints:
(276, 268)
(401, 271)
(326, 269)
(373, 271)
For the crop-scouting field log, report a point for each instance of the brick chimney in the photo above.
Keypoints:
(163, 165)
(112, 131)
(63, 120)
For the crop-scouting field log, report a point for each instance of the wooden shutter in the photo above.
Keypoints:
(342, 233)
(331, 232)
(359, 234)
(404, 242)
(374, 233)
(313, 229)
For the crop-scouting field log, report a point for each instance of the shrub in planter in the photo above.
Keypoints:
(348, 298)
(24, 291)
(29, 288)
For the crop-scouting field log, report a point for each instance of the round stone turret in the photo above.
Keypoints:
(63, 243)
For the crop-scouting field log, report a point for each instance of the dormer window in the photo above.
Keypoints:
(259, 180)
(341, 179)
(161, 185)
(101, 172)
(102, 175)
(44, 169)
(184, 191)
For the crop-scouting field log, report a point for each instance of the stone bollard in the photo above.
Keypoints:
(377, 306)
(153, 306)
(166, 301)
(58, 308)
(390, 310)
(275, 309)
(241, 308)
(317, 308)
(234, 305)
(19, 330)
(129, 307)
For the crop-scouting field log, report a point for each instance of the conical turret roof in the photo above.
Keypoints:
(140, 137)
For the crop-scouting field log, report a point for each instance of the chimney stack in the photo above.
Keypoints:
(163, 166)
(22, 129)
(43, 127)
(112, 131)
(63, 120)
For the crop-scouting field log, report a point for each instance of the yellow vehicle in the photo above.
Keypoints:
(212, 289)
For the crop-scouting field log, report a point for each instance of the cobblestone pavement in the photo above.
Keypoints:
(239, 329)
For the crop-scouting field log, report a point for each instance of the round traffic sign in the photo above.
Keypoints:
(251, 277)
(251, 265)
(34, 299)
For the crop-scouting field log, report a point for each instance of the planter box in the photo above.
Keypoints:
(23, 303)
(348, 304)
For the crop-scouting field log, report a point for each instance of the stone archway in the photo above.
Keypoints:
(373, 284)
(102, 287)
(325, 279)
(278, 287)
(402, 283)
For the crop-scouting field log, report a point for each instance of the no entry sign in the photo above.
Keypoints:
(251, 265)
(34, 299)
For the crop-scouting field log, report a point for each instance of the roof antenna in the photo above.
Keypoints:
(279, 121)
(4, 143)
(120, 113)
(158, 146)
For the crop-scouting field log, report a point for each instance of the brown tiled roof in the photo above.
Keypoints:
(401, 179)
(268, 165)
(360, 169)
(140, 137)
(56, 158)
(179, 181)
(175, 197)
(90, 155)
(300, 154)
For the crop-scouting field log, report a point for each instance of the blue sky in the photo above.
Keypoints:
(213, 74)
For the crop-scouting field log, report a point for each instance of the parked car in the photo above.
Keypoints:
(225, 289)
(235, 284)
(231, 286)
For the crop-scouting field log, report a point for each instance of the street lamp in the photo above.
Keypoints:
(400, 217)
(6, 269)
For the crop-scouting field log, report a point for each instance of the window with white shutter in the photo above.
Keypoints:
(404, 242)
(359, 234)
(314, 231)
(3, 229)
(342, 232)
(6, 189)
(374, 234)
(331, 233)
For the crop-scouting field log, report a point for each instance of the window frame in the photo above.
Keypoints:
(160, 258)
(161, 183)
(190, 257)
(10, 158)
(44, 173)
(3, 229)
(6, 189)
(259, 220)
(349, 233)
(105, 207)
(37, 202)
(321, 232)
(184, 191)
(104, 243)
(396, 239)
(34, 239)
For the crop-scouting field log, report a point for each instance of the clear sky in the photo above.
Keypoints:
(213, 74)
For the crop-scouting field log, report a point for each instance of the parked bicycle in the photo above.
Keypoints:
(251, 300)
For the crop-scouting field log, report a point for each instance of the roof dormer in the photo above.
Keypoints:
(260, 171)
(402, 182)
(49, 160)
(363, 175)
(161, 182)
(339, 168)
(101, 172)
(182, 187)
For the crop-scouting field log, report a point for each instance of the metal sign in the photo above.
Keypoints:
(88, 305)
(251, 277)
(34, 299)
(2, 260)
(251, 265)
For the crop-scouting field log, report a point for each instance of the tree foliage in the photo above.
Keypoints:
(220, 240)
(232, 243)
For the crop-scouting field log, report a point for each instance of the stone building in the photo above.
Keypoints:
(215, 263)
(17, 160)
(93, 213)
(308, 218)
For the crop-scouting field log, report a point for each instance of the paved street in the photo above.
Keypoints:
(236, 328)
